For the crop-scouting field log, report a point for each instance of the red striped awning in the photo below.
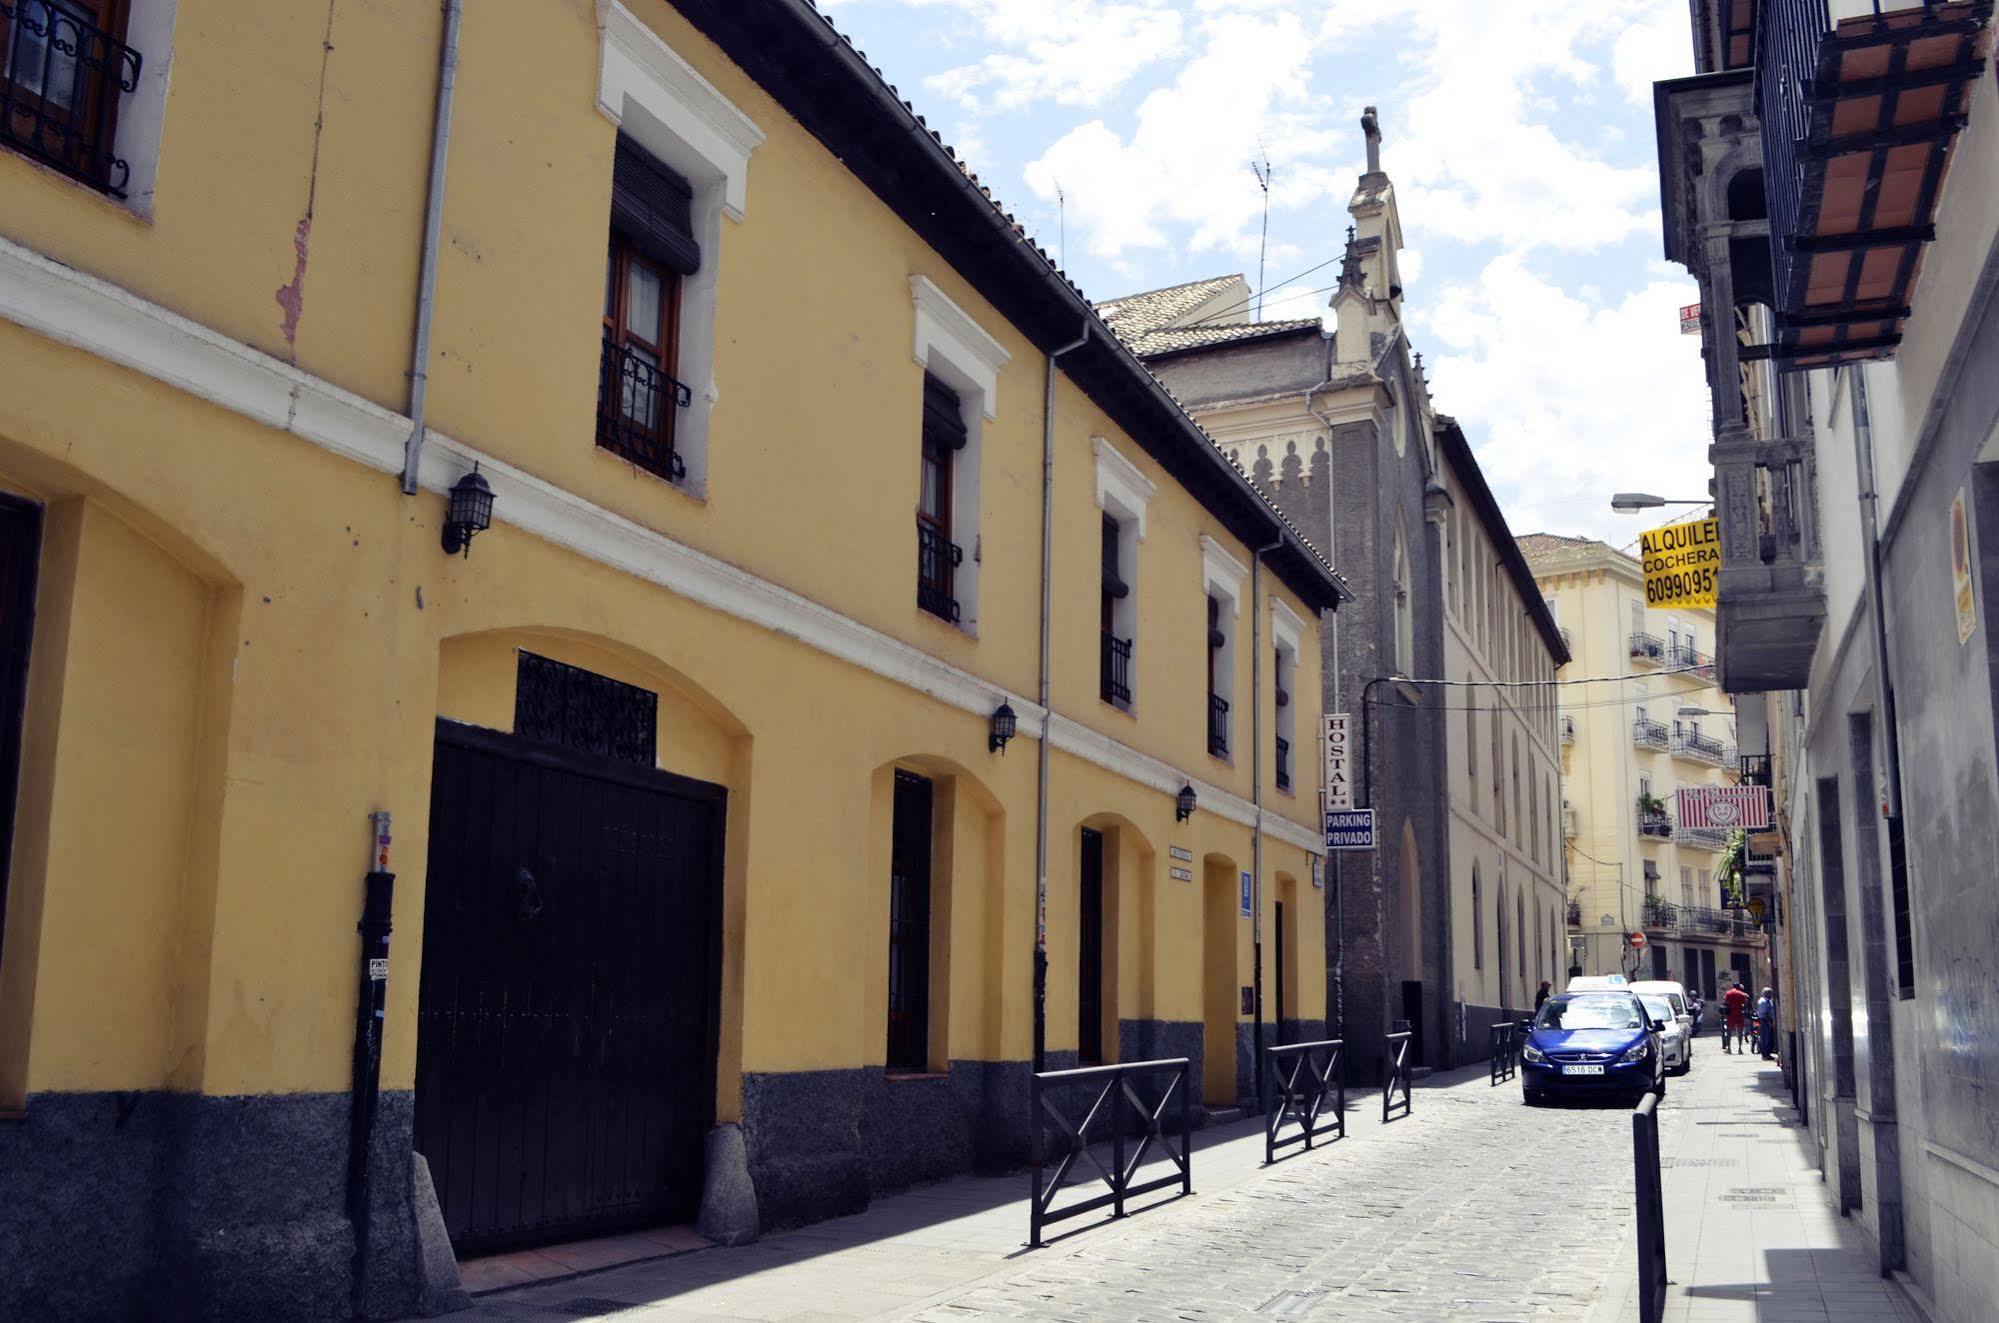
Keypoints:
(1725, 808)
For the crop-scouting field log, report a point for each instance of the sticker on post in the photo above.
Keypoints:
(378, 969)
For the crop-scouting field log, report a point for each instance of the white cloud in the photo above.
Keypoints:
(1071, 52)
(1515, 130)
(1181, 175)
(1568, 400)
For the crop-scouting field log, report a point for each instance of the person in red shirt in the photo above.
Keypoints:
(1734, 1002)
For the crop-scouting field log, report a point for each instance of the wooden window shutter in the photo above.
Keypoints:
(943, 419)
(653, 207)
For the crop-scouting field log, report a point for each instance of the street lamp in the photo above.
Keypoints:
(468, 510)
(1633, 502)
(1004, 723)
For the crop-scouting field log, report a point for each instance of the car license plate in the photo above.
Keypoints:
(1582, 1070)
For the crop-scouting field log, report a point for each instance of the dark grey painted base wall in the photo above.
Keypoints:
(178, 1206)
(824, 1143)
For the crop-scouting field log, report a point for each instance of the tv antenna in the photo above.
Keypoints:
(1061, 227)
(1261, 168)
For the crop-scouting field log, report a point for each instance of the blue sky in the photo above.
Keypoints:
(1518, 133)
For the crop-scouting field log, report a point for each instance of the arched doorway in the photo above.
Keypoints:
(571, 988)
(1223, 937)
(1409, 940)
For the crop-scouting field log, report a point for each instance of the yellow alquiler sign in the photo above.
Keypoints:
(1681, 563)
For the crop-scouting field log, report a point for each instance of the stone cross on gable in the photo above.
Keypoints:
(1370, 124)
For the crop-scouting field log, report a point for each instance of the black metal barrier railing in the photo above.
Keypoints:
(1396, 1077)
(1116, 1115)
(1651, 1210)
(1505, 1059)
(1307, 1080)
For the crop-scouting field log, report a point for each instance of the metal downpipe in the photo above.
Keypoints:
(433, 226)
(1047, 715)
(1256, 799)
(1890, 802)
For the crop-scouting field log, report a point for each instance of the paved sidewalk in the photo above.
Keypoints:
(1474, 1208)
(1751, 1234)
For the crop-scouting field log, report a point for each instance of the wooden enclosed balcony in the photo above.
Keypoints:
(1861, 102)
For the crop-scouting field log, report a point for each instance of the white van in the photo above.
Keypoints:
(1676, 996)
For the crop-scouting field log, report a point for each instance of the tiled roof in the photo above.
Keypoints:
(1200, 336)
(1135, 314)
(773, 46)
(1541, 544)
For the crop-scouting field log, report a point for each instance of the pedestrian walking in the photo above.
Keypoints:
(1733, 1003)
(1766, 1024)
(1540, 995)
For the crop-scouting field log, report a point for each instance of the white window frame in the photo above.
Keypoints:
(951, 346)
(1287, 633)
(142, 112)
(1123, 493)
(660, 102)
(1222, 575)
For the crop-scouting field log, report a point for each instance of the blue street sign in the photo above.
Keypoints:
(1350, 829)
(1248, 889)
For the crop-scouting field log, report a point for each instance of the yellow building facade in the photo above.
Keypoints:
(1654, 722)
(699, 808)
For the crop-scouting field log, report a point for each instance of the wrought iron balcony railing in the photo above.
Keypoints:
(1218, 725)
(1661, 913)
(1658, 825)
(1701, 838)
(1756, 769)
(1283, 763)
(635, 410)
(1647, 648)
(1698, 748)
(937, 561)
(1115, 681)
(61, 80)
(1648, 734)
(1687, 658)
(1575, 915)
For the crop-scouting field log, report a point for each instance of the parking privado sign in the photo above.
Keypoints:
(1350, 829)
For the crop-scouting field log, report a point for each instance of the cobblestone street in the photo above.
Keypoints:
(1475, 1207)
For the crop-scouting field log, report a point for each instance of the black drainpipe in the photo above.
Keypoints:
(367, 1086)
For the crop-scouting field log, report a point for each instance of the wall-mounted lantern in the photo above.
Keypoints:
(468, 510)
(1004, 724)
(1183, 804)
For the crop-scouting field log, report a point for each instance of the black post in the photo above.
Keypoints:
(1651, 1218)
(1186, 1126)
(1034, 1157)
(1040, 1003)
(374, 927)
(1117, 1144)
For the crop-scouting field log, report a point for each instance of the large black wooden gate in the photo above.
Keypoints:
(567, 1017)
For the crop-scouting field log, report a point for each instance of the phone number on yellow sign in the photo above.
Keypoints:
(1683, 587)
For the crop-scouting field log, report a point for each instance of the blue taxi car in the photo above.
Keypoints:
(1599, 1044)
